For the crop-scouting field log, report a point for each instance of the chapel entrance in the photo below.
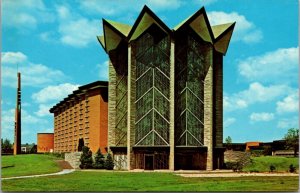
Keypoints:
(149, 162)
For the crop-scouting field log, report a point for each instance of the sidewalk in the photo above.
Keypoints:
(233, 174)
(64, 171)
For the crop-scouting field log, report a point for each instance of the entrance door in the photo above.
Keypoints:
(149, 162)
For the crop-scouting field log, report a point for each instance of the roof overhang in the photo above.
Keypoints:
(219, 35)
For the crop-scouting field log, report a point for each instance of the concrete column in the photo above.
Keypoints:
(128, 107)
(131, 109)
(218, 93)
(172, 106)
(208, 114)
(111, 105)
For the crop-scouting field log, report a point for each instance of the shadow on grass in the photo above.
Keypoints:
(11, 166)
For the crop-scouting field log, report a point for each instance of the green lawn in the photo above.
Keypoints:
(147, 181)
(262, 164)
(28, 164)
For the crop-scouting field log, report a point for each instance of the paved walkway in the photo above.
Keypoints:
(64, 171)
(234, 174)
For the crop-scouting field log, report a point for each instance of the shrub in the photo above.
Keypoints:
(257, 152)
(99, 160)
(109, 163)
(80, 144)
(253, 170)
(58, 155)
(292, 168)
(229, 165)
(272, 168)
(86, 158)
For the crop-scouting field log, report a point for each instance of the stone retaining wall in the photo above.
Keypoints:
(233, 156)
(73, 159)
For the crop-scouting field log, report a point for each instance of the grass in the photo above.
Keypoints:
(28, 164)
(262, 164)
(83, 181)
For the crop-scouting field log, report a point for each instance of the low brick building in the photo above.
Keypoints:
(45, 142)
(82, 116)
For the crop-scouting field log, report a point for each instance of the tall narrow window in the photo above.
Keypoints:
(152, 56)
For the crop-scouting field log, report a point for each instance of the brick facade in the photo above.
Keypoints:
(82, 115)
(45, 142)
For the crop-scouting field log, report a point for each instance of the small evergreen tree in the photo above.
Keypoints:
(292, 168)
(80, 144)
(99, 160)
(272, 168)
(86, 158)
(33, 149)
(109, 163)
(228, 142)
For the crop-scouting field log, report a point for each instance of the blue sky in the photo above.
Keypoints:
(53, 44)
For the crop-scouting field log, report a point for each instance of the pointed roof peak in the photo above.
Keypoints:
(189, 18)
(219, 29)
(146, 18)
(121, 28)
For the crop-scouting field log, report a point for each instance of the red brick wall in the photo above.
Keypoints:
(45, 142)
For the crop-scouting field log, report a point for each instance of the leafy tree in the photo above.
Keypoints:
(6, 146)
(292, 140)
(80, 144)
(267, 150)
(33, 149)
(99, 160)
(228, 142)
(86, 158)
(109, 163)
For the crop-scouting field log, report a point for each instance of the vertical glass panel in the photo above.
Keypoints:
(152, 87)
(192, 63)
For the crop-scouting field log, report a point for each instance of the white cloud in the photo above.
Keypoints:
(34, 75)
(117, 8)
(158, 5)
(244, 30)
(277, 66)
(204, 2)
(25, 14)
(49, 36)
(79, 33)
(73, 29)
(27, 118)
(63, 12)
(54, 93)
(255, 117)
(288, 104)
(8, 122)
(256, 93)
(102, 69)
(229, 121)
(43, 110)
(13, 57)
(287, 123)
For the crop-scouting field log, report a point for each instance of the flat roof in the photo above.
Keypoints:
(80, 90)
